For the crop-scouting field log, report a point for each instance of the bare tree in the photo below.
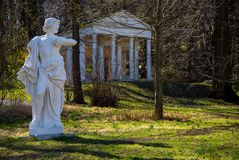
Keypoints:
(57, 9)
(223, 57)
(13, 39)
(78, 92)
(158, 63)
(32, 16)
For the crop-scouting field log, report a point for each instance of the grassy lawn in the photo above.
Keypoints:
(193, 129)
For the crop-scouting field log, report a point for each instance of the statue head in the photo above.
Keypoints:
(51, 24)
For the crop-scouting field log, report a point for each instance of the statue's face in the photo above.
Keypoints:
(51, 25)
(55, 28)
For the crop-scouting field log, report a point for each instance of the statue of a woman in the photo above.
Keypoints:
(43, 75)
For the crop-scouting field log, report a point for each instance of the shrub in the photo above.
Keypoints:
(103, 94)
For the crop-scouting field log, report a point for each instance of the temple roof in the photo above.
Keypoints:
(121, 23)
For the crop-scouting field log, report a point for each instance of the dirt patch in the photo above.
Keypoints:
(148, 115)
(209, 130)
(10, 114)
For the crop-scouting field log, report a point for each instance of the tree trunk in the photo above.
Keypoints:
(158, 65)
(2, 28)
(223, 62)
(78, 92)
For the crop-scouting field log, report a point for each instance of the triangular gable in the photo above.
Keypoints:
(120, 23)
(122, 19)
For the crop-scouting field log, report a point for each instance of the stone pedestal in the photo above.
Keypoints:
(44, 131)
(52, 136)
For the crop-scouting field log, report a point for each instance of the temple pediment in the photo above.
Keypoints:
(120, 23)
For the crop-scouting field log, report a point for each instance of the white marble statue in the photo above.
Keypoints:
(43, 75)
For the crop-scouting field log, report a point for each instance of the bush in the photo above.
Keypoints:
(103, 94)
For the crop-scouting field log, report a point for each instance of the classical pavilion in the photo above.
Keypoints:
(109, 49)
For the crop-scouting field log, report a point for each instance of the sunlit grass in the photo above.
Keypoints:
(192, 129)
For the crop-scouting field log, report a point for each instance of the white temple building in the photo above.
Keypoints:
(109, 49)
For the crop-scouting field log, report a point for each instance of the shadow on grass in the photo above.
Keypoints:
(133, 104)
(178, 90)
(189, 102)
(110, 142)
(136, 158)
(146, 85)
(127, 93)
(209, 130)
(199, 102)
(22, 157)
(14, 125)
(54, 151)
(228, 115)
(209, 106)
(85, 146)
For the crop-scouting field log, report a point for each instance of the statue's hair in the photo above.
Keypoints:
(49, 22)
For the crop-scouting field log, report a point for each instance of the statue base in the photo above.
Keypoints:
(48, 136)
(46, 133)
(41, 131)
(52, 136)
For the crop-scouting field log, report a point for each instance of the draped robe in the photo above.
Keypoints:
(47, 104)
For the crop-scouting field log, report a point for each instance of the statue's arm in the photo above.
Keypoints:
(61, 41)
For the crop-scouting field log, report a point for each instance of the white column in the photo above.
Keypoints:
(94, 54)
(82, 57)
(101, 62)
(136, 62)
(119, 63)
(113, 57)
(124, 55)
(149, 72)
(131, 58)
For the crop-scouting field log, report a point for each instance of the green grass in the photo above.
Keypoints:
(193, 129)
